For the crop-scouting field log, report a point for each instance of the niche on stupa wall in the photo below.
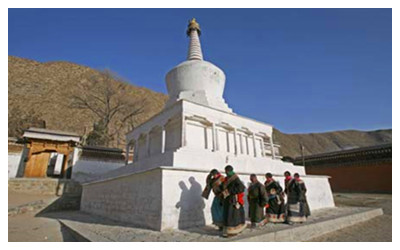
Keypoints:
(173, 133)
(198, 133)
(155, 142)
(225, 138)
(141, 147)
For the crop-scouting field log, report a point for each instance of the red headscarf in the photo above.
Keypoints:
(217, 175)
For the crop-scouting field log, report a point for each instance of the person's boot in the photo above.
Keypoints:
(224, 232)
(288, 222)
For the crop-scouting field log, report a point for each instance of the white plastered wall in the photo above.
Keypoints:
(85, 170)
(170, 198)
(184, 207)
(134, 199)
(13, 163)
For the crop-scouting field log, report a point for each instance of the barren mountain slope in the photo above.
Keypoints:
(47, 88)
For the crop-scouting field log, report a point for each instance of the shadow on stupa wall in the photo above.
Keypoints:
(191, 205)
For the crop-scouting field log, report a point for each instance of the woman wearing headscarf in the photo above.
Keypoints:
(298, 209)
(214, 183)
(233, 193)
(276, 204)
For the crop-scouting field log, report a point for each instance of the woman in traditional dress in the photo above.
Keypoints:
(276, 204)
(233, 193)
(298, 209)
(288, 177)
(257, 198)
(214, 183)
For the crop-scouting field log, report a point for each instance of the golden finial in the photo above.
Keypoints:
(193, 25)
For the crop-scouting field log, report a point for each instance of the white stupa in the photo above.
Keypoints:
(198, 130)
(175, 150)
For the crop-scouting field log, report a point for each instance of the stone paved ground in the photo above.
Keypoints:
(27, 227)
(104, 229)
(377, 229)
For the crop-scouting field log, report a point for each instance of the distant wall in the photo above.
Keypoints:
(13, 163)
(91, 162)
(84, 170)
(369, 177)
(15, 152)
(87, 162)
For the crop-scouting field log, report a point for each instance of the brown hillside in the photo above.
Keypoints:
(315, 143)
(46, 88)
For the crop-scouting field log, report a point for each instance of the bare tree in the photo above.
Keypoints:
(107, 98)
(20, 119)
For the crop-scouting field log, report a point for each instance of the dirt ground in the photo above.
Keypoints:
(377, 229)
(17, 199)
(27, 228)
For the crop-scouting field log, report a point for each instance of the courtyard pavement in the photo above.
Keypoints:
(30, 227)
(376, 229)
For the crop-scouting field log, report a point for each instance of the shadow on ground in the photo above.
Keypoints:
(67, 235)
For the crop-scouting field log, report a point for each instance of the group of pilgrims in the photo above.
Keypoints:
(266, 201)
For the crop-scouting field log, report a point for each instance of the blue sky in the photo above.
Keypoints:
(301, 70)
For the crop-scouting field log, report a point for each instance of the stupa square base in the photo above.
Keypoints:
(170, 197)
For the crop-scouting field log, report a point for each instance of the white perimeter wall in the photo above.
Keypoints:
(13, 163)
(84, 170)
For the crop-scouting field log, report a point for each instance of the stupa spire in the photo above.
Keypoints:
(194, 32)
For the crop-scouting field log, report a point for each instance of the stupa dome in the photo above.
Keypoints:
(196, 80)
